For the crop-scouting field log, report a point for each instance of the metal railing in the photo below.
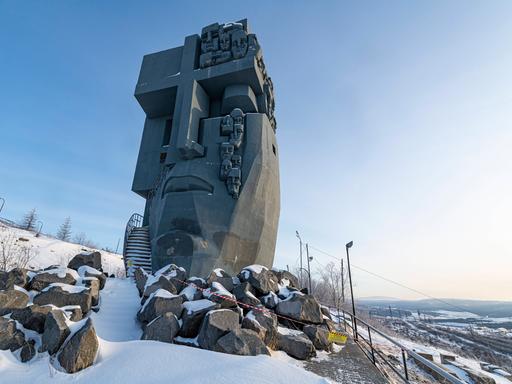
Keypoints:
(134, 222)
(376, 356)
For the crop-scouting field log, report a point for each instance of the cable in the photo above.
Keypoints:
(393, 281)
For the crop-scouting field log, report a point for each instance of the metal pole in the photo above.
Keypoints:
(405, 365)
(3, 202)
(309, 270)
(40, 228)
(300, 250)
(347, 246)
(371, 344)
(118, 241)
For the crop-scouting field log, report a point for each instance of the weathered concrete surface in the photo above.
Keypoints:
(350, 366)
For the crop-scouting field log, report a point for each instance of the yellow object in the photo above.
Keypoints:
(337, 338)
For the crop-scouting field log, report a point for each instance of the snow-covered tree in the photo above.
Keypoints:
(65, 230)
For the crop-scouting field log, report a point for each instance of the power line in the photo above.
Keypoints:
(393, 281)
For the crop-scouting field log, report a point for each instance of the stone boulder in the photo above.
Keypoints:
(62, 295)
(90, 259)
(270, 300)
(176, 275)
(11, 338)
(158, 303)
(191, 293)
(218, 294)
(242, 342)
(245, 294)
(296, 345)
(73, 312)
(260, 278)
(153, 284)
(266, 320)
(301, 307)
(28, 351)
(80, 350)
(57, 275)
(326, 312)
(141, 277)
(32, 317)
(85, 271)
(164, 328)
(55, 332)
(12, 299)
(94, 289)
(192, 316)
(198, 282)
(220, 276)
(319, 336)
(287, 279)
(216, 324)
(16, 276)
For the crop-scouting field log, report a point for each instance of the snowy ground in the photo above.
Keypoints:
(123, 358)
(51, 251)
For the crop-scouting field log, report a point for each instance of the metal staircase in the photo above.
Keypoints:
(137, 246)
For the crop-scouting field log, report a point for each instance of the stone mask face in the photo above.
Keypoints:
(213, 199)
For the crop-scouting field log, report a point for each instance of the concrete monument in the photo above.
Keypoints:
(208, 162)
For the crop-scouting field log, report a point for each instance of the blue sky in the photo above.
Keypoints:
(394, 127)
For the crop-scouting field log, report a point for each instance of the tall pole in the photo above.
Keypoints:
(347, 246)
(309, 270)
(300, 250)
(3, 202)
(342, 283)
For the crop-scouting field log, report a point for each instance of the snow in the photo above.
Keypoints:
(116, 320)
(66, 287)
(89, 270)
(123, 358)
(189, 292)
(197, 305)
(288, 331)
(51, 251)
(218, 290)
(62, 272)
(255, 268)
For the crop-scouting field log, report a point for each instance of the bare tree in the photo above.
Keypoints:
(14, 253)
(65, 230)
(29, 220)
(82, 239)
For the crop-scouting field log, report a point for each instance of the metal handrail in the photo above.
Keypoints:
(352, 323)
(135, 221)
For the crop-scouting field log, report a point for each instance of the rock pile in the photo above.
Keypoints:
(248, 314)
(46, 311)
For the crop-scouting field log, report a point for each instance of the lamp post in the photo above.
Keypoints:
(309, 269)
(40, 228)
(300, 245)
(347, 246)
(3, 202)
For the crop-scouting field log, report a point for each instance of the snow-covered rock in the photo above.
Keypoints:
(90, 259)
(62, 295)
(32, 317)
(160, 302)
(12, 299)
(216, 324)
(55, 331)
(79, 351)
(164, 328)
(243, 342)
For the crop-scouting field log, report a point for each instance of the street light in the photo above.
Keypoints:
(40, 228)
(347, 246)
(309, 269)
(300, 244)
(3, 202)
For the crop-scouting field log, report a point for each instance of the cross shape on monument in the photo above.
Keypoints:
(174, 84)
